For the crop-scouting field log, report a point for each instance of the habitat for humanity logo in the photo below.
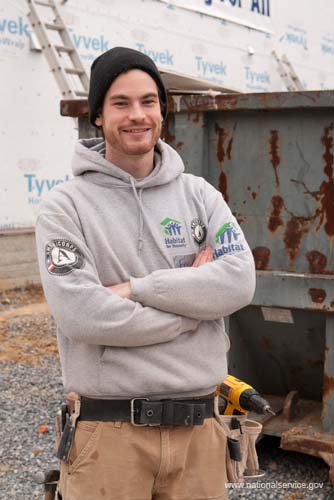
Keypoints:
(173, 233)
(227, 236)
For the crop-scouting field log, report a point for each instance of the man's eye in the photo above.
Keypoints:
(120, 104)
(149, 102)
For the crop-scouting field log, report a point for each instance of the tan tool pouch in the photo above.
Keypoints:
(246, 435)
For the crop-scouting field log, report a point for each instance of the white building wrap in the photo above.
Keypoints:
(229, 42)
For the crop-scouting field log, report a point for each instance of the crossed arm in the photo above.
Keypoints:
(124, 291)
(165, 303)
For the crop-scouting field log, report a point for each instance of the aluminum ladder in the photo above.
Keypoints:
(287, 73)
(69, 72)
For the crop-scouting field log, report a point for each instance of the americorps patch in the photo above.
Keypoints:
(62, 257)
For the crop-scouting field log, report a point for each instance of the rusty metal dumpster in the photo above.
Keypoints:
(271, 156)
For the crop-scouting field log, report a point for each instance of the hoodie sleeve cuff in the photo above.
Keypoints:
(142, 289)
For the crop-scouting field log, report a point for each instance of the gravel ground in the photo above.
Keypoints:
(31, 391)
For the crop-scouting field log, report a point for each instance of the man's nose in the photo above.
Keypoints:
(136, 112)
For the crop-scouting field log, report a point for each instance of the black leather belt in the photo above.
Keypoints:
(142, 411)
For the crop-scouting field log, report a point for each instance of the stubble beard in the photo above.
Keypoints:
(134, 149)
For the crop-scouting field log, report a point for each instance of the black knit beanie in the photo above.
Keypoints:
(109, 66)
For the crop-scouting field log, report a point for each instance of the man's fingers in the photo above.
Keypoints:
(199, 259)
(209, 254)
(203, 257)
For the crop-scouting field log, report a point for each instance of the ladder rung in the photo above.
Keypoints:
(54, 26)
(62, 48)
(54, 49)
(45, 4)
(81, 93)
(74, 71)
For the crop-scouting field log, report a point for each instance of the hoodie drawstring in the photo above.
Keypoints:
(141, 215)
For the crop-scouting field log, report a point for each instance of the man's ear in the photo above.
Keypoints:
(98, 120)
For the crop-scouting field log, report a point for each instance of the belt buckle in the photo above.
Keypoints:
(133, 411)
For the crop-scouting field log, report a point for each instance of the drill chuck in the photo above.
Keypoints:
(251, 400)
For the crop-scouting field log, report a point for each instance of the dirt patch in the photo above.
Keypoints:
(18, 297)
(27, 330)
(28, 339)
(29, 310)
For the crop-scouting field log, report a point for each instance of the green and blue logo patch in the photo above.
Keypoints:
(173, 230)
(228, 237)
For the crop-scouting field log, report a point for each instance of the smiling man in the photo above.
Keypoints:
(131, 122)
(138, 275)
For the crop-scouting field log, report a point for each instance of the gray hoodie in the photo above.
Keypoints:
(105, 227)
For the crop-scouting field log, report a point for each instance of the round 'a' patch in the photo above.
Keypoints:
(62, 257)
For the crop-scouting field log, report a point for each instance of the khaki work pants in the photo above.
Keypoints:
(118, 461)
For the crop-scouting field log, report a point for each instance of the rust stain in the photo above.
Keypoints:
(253, 193)
(221, 154)
(199, 103)
(318, 295)
(317, 262)
(229, 148)
(274, 152)
(222, 135)
(240, 218)
(327, 187)
(275, 217)
(261, 257)
(297, 439)
(197, 117)
(168, 137)
(295, 229)
(328, 385)
(325, 195)
(227, 101)
(222, 185)
(194, 104)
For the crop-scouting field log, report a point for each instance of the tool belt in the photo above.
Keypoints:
(142, 411)
(241, 433)
(138, 411)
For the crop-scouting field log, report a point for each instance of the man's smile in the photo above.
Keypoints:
(141, 130)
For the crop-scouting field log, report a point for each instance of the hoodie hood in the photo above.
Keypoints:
(89, 161)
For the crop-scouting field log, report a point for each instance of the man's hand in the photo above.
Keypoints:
(203, 257)
(122, 289)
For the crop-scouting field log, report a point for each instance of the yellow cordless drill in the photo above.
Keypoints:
(241, 398)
